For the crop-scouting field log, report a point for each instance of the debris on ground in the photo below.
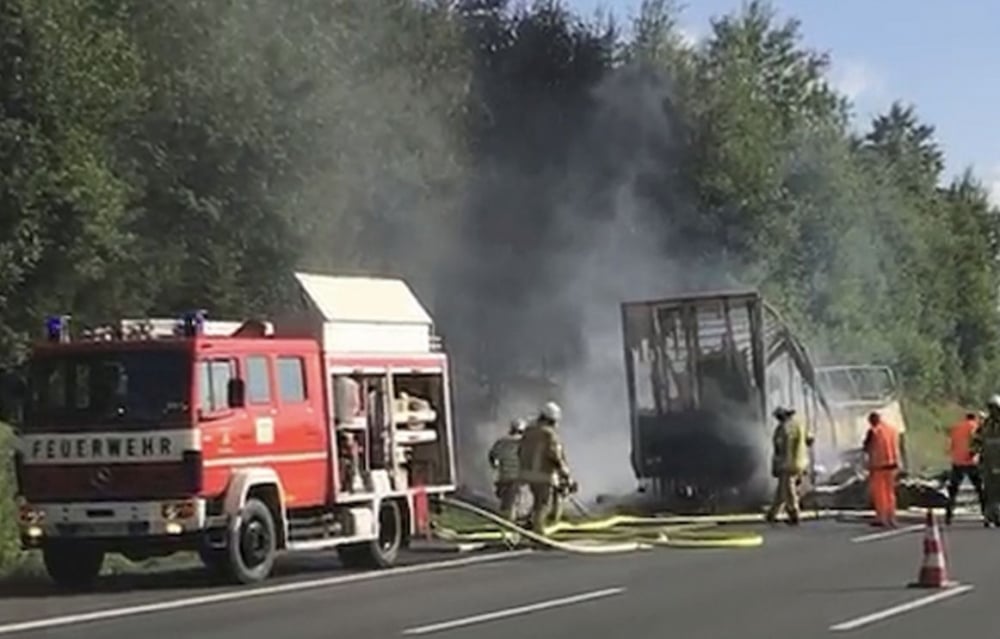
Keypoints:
(846, 487)
(853, 494)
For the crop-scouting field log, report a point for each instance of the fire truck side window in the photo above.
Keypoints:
(213, 382)
(291, 379)
(258, 380)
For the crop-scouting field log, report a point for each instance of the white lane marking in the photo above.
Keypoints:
(190, 602)
(511, 612)
(901, 608)
(905, 530)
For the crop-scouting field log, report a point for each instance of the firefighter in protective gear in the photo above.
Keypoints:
(986, 444)
(789, 462)
(543, 466)
(503, 458)
(882, 448)
(963, 462)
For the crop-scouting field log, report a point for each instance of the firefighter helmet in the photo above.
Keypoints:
(994, 401)
(551, 412)
(517, 426)
(781, 413)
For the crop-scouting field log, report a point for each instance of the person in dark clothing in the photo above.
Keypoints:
(963, 463)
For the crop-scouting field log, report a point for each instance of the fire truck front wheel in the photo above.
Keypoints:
(72, 565)
(252, 544)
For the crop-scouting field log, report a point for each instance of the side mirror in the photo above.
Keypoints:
(236, 393)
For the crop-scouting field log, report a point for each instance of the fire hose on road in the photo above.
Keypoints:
(617, 534)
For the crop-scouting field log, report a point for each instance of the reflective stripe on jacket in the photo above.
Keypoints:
(505, 458)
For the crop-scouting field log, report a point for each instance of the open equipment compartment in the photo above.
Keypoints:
(389, 403)
(420, 416)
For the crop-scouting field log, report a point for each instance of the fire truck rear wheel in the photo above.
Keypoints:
(385, 548)
(253, 544)
(382, 551)
(72, 565)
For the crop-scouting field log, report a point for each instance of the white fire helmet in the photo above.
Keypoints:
(517, 426)
(994, 401)
(551, 412)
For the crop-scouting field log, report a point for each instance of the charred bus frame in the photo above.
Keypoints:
(703, 372)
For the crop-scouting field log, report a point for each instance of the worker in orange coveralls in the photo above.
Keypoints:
(882, 448)
(963, 462)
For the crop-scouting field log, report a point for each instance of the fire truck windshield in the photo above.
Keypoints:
(134, 387)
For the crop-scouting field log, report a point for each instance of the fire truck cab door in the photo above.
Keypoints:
(260, 404)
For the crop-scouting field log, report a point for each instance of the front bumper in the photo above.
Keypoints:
(110, 520)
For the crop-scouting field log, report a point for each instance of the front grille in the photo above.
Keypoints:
(111, 482)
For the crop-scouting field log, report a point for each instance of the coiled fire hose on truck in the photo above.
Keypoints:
(617, 534)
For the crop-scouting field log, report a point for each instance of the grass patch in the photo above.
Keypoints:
(11, 557)
(459, 520)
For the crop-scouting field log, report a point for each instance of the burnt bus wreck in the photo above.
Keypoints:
(703, 373)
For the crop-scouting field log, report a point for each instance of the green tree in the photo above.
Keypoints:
(972, 276)
(69, 78)
(756, 92)
(208, 153)
(291, 134)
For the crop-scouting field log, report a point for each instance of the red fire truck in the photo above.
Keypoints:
(329, 426)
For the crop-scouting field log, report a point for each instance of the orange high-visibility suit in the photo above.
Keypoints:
(882, 446)
(963, 463)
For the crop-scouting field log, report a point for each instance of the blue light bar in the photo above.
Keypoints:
(57, 328)
(194, 323)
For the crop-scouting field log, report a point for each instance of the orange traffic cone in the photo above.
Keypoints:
(933, 571)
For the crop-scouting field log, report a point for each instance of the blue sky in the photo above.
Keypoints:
(943, 58)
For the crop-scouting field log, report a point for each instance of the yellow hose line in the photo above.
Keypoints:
(592, 537)
(561, 533)
(669, 530)
(603, 549)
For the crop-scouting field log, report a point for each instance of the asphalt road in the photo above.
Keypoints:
(803, 582)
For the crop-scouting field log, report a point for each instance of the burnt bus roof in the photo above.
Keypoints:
(697, 296)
